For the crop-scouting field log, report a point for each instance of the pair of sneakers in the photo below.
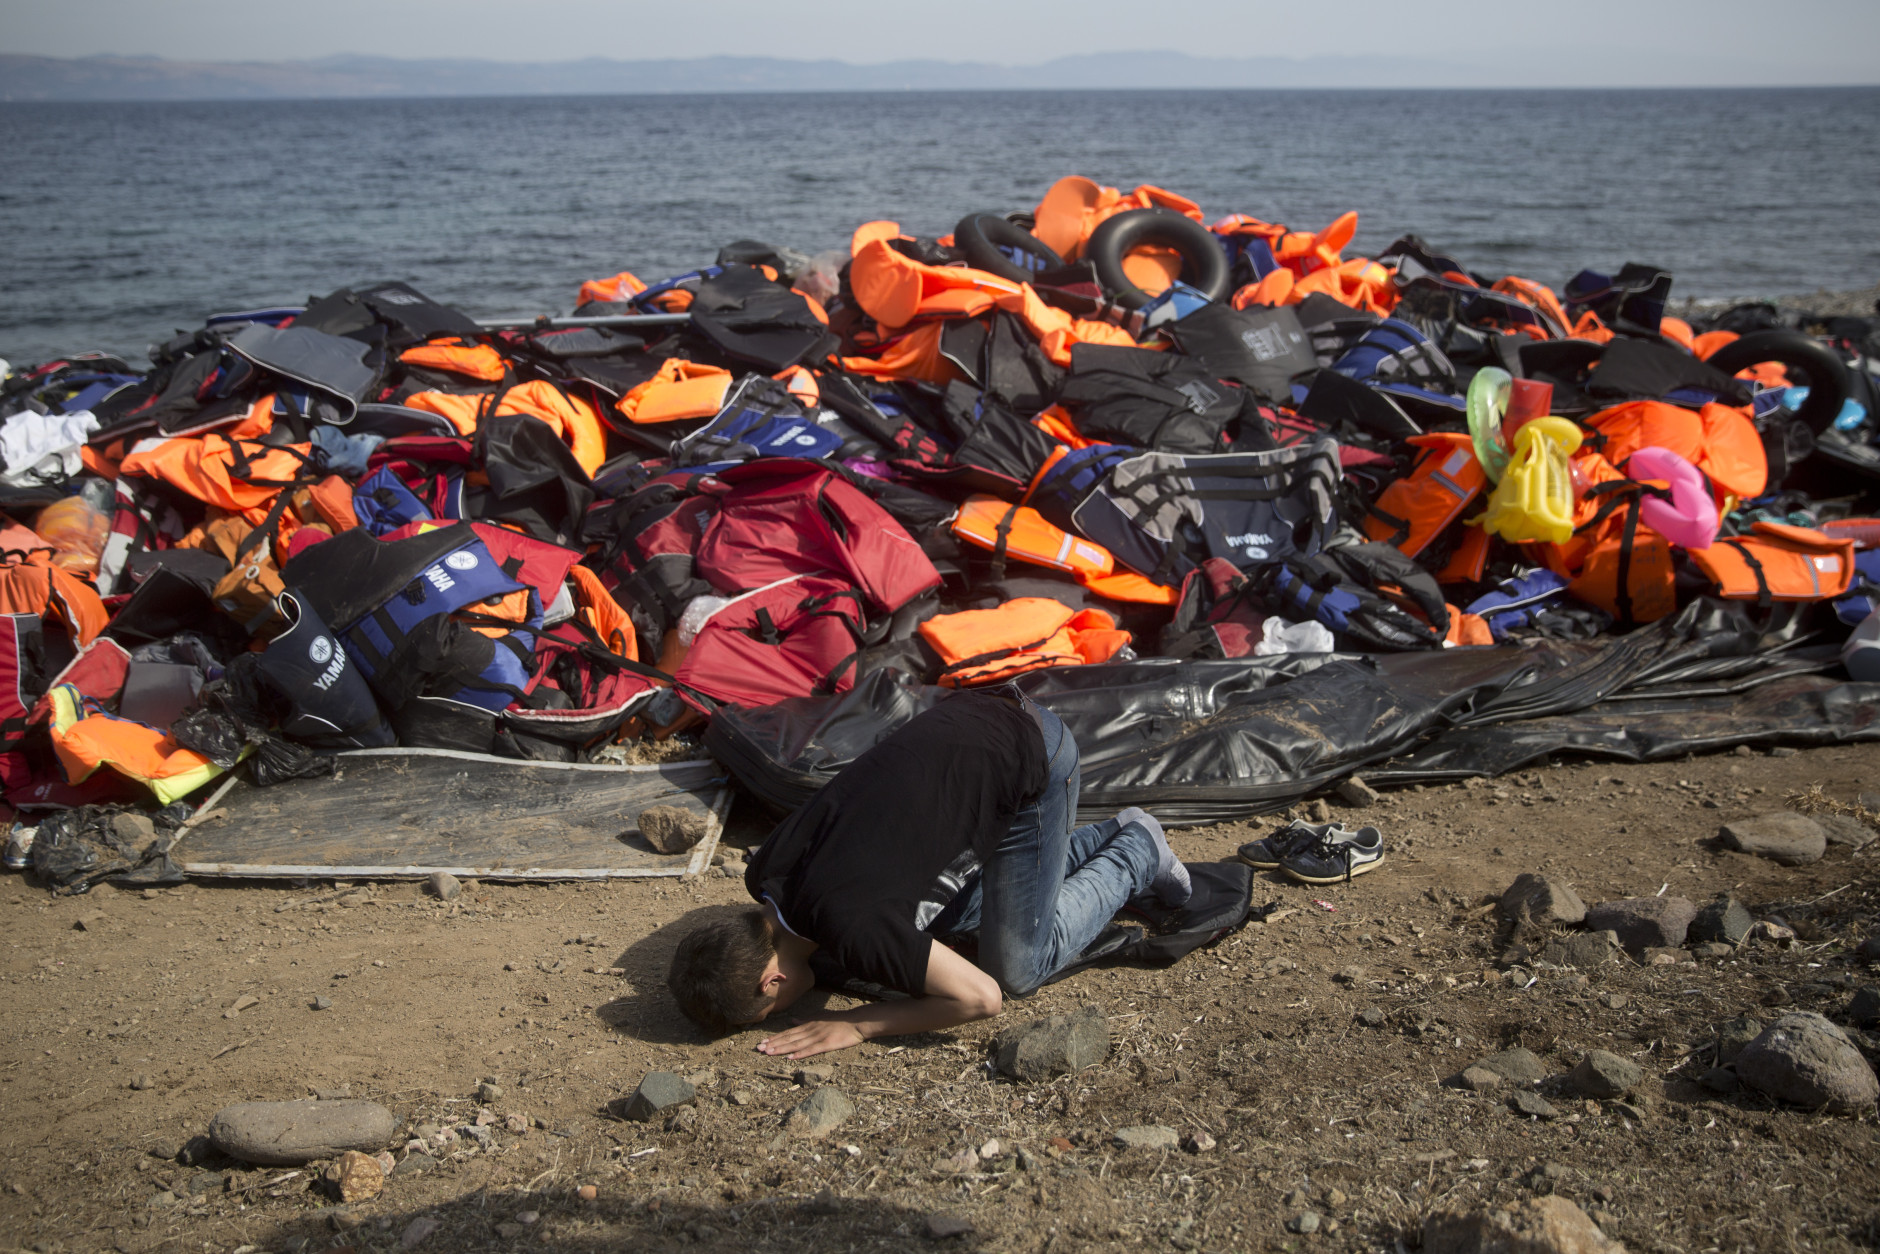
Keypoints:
(1323, 853)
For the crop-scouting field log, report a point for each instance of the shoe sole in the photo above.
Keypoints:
(1258, 865)
(1356, 871)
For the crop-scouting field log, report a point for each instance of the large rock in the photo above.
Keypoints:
(819, 1114)
(1644, 922)
(1536, 1225)
(1804, 1059)
(1584, 950)
(1542, 900)
(659, 1091)
(1782, 836)
(1724, 921)
(671, 829)
(287, 1134)
(1056, 1046)
(1601, 1074)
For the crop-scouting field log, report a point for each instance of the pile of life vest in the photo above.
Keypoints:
(1101, 429)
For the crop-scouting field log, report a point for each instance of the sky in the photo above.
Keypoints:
(1803, 42)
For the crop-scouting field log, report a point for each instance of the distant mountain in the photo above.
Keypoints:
(151, 78)
(24, 78)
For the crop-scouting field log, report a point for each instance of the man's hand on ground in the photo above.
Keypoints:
(957, 992)
(818, 1036)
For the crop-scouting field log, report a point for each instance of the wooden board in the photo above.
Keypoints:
(404, 813)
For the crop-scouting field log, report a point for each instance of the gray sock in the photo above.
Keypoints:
(1170, 884)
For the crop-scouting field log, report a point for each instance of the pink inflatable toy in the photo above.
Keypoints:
(1689, 518)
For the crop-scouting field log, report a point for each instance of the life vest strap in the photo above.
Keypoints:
(1764, 595)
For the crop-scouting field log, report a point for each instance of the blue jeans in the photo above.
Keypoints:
(1047, 890)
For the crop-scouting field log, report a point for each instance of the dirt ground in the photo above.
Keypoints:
(120, 1044)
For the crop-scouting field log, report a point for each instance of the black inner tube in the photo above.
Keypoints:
(1204, 263)
(1004, 248)
(1827, 376)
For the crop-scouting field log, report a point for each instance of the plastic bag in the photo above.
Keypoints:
(697, 610)
(278, 760)
(1279, 636)
(76, 848)
(230, 714)
(77, 532)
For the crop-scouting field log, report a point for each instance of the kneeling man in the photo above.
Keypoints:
(959, 823)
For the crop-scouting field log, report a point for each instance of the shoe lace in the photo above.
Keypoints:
(1329, 848)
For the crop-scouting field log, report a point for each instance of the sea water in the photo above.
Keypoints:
(122, 223)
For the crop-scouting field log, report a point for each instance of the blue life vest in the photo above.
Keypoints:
(415, 644)
(384, 504)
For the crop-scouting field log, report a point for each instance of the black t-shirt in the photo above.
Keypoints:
(857, 867)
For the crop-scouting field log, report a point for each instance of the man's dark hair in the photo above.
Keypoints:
(716, 968)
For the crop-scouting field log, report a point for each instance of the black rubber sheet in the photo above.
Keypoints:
(1199, 742)
(404, 813)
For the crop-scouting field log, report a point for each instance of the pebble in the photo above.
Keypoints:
(1644, 922)
(288, 1134)
(587, 1193)
(489, 1091)
(1781, 836)
(1371, 1017)
(444, 886)
(1547, 1224)
(1522, 1066)
(1319, 811)
(1149, 1136)
(734, 868)
(1864, 1010)
(1356, 793)
(1528, 1102)
(671, 829)
(991, 1149)
(1744, 751)
(1349, 975)
(658, 1091)
(1477, 1079)
(1804, 1059)
(1724, 919)
(1305, 1223)
(1602, 1074)
(1059, 1045)
(415, 1163)
(1543, 900)
(142, 1082)
(819, 1114)
(1198, 1143)
(322, 1003)
(810, 1077)
(516, 1125)
(1714, 949)
(355, 1177)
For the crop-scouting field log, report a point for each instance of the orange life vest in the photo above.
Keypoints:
(1075, 206)
(235, 474)
(1416, 508)
(85, 738)
(1024, 634)
(31, 584)
(476, 361)
(622, 286)
(894, 289)
(1777, 562)
(1627, 570)
(1720, 441)
(571, 417)
(1021, 532)
(681, 390)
